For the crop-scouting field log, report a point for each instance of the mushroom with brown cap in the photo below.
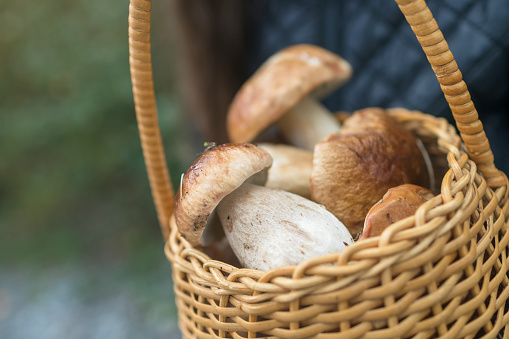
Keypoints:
(398, 203)
(285, 90)
(265, 227)
(353, 168)
(215, 174)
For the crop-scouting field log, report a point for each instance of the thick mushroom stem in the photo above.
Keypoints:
(308, 123)
(269, 228)
(291, 168)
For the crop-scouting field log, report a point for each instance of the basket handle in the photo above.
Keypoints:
(454, 88)
(429, 36)
(146, 111)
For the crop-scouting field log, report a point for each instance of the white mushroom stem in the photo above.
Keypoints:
(308, 123)
(291, 168)
(270, 228)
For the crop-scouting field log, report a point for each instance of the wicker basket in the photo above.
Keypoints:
(439, 273)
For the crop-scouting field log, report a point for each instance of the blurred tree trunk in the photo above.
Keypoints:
(210, 40)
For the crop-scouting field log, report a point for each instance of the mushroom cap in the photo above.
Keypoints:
(354, 168)
(398, 203)
(215, 174)
(279, 84)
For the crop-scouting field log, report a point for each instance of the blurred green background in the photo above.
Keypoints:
(81, 255)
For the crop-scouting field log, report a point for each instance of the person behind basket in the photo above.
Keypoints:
(222, 42)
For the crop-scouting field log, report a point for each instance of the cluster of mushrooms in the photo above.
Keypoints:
(333, 180)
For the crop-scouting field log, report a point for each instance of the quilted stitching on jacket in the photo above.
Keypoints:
(390, 67)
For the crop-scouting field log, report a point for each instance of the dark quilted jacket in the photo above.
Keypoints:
(390, 67)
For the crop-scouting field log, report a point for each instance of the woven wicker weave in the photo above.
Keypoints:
(439, 273)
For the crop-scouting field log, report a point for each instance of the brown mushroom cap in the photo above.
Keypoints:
(398, 203)
(352, 169)
(281, 82)
(215, 174)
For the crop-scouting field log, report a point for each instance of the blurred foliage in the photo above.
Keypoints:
(72, 166)
(73, 185)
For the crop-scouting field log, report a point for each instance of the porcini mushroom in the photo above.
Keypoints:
(353, 168)
(398, 203)
(290, 170)
(216, 173)
(265, 227)
(285, 90)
